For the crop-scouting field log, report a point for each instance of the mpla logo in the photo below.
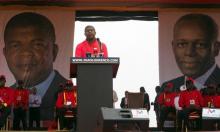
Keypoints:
(211, 111)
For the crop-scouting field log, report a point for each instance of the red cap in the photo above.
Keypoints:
(2, 77)
(169, 85)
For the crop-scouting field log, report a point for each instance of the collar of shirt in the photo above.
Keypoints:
(200, 81)
(43, 86)
(92, 44)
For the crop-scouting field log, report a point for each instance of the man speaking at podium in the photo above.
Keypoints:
(92, 46)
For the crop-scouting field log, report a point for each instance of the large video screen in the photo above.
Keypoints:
(36, 46)
(188, 47)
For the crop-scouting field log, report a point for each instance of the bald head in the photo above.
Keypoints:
(204, 22)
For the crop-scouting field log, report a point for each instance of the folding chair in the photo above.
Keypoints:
(69, 115)
(193, 119)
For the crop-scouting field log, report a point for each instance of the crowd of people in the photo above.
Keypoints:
(181, 103)
(21, 100)
(186, 101)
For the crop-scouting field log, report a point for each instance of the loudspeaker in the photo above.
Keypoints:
(121, 120)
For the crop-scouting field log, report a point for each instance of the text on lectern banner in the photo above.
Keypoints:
(95, 60)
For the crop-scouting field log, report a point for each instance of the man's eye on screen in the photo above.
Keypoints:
(13, 45)
(39, 45)
(181, 44)
(200, 45)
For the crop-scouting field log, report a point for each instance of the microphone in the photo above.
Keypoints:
(98, 41)
(100, 47)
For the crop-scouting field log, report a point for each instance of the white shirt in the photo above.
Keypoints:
(176, 103)
(43, 86)
(34, 100)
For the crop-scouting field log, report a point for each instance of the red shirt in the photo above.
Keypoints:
(6, 96)
(208, 100)
(188, 98)
(67, 97)
(217, 101)
(85, 47)
(21, 98)
(167, 99)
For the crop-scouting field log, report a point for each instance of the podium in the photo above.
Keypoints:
(210, 119)
(94, 88)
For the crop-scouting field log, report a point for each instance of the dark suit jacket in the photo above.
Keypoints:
(147, 101)
(122, 102)
(49, 100)
(214, 78)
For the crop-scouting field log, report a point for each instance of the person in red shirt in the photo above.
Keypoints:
(191, 101)
(217, 97)
(66, 104)
(209, 96)
(166, 103)
(92, 46)
(21, 104)
(6, 100)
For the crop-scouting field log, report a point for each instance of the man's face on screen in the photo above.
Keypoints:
(193, 49)
(29, 54)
